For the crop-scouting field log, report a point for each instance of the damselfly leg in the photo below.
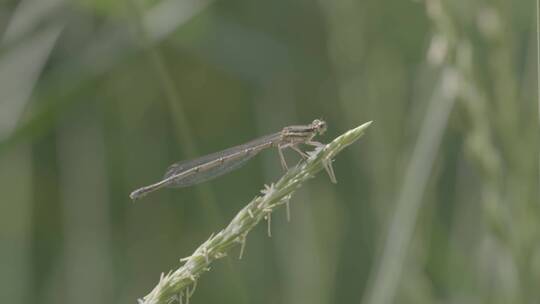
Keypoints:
(282, 157)
(326, 163)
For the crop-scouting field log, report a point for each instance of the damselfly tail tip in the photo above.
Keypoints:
(135, 195)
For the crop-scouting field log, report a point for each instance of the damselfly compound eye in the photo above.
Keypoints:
(320, 125)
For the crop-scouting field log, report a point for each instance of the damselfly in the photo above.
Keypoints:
(191, 172)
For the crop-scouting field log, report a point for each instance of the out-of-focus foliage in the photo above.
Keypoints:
(438, 203)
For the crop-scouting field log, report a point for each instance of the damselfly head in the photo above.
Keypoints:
(319, 125)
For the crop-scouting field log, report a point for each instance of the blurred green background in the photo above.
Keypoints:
(438, 203)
